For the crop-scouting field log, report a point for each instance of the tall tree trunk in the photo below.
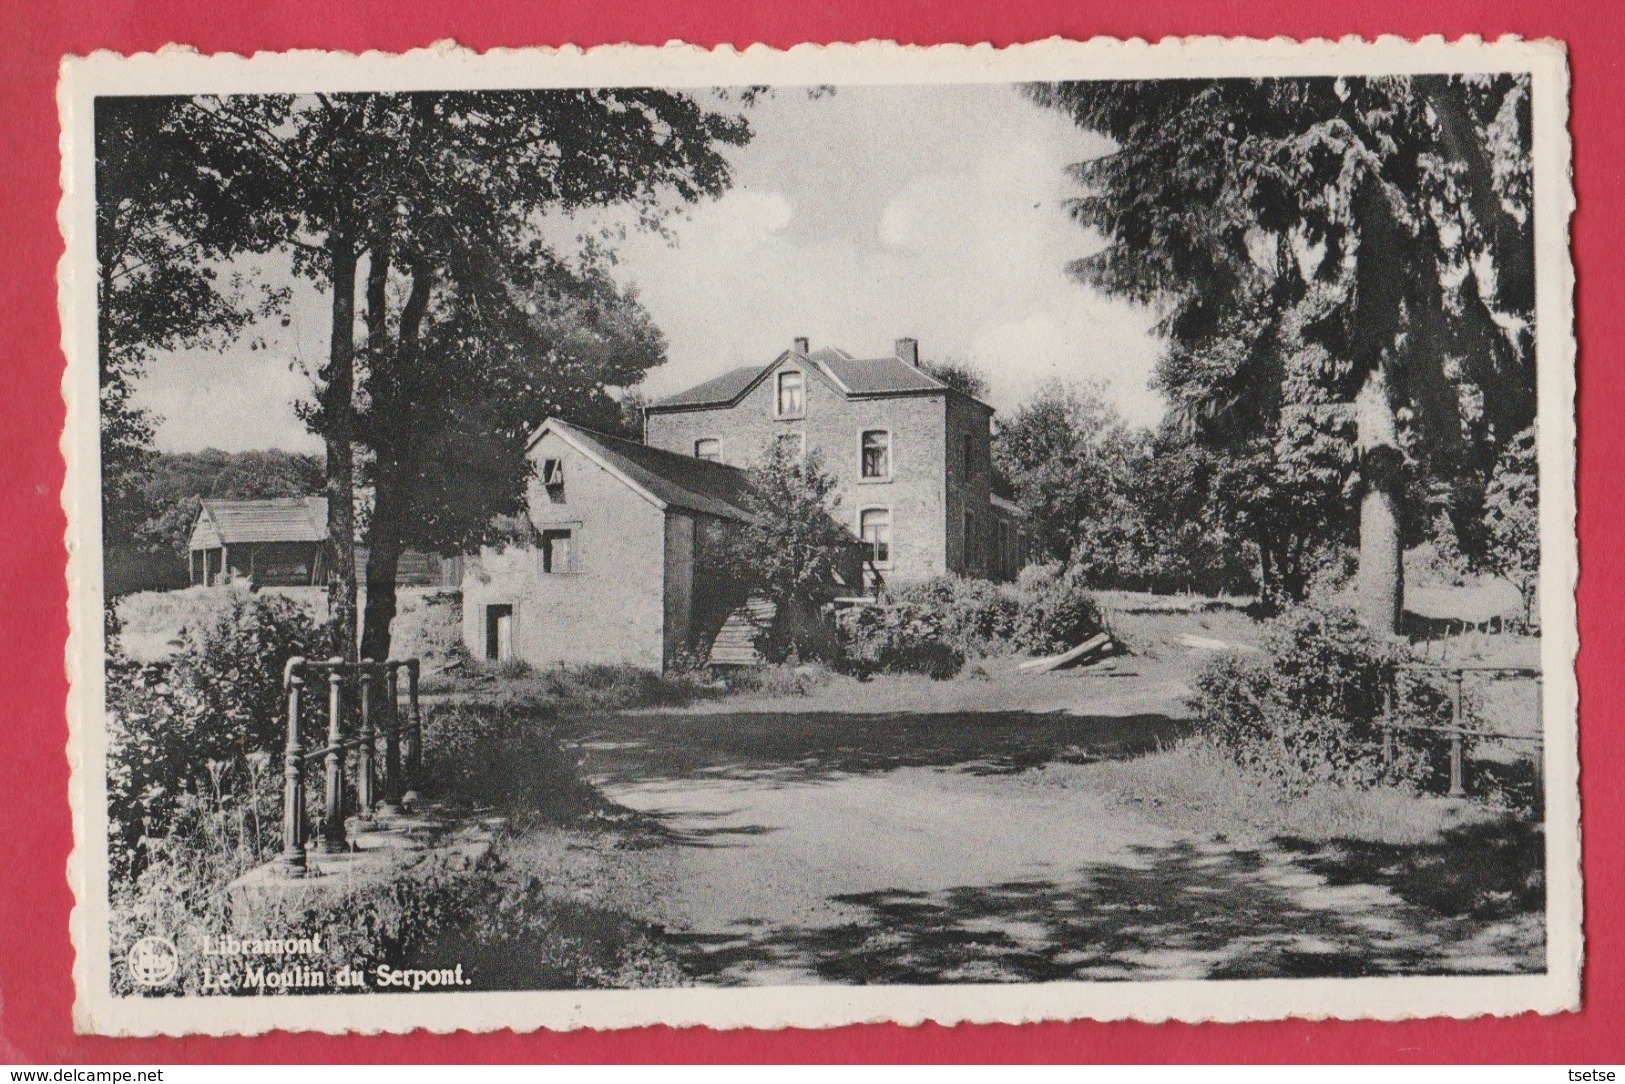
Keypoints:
(383, 562)
(387, 531)
(337, 406)
(1380, 584)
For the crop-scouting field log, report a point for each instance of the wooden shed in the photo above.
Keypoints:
(275, 542)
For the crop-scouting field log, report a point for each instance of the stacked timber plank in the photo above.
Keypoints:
(735, 644)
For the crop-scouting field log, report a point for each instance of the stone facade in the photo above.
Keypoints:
(609, 572)
(939, 448)
(605, 604)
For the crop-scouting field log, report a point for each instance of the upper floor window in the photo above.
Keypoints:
(876, 454)
(791, 403)
(708, 449)
(874, 527)
(553, 480)
(968, 450)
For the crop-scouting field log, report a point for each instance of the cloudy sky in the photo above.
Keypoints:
(855, 218)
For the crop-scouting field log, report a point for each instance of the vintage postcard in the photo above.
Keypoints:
(633, 536)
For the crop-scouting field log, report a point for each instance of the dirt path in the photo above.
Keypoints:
(926, 848)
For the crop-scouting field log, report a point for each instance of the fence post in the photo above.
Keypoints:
(293, 775)
(1388, 720)
(391, 806)
(333, 830)
(1540, 744)
(414, 766)
(1458, 776)
(366, 750)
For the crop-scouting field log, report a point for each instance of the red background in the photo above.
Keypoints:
(36, 990)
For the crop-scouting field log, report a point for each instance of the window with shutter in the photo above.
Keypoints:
(553, 480)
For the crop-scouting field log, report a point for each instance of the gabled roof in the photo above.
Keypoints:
(851, 376)
(719, 389)
(876, 376)
(272, 519)
(668, 479)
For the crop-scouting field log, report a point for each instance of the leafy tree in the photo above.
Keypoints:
(173, 483)
(435, 197)
(1183, 534)
(1384, 220)
(959, 375)
(449, 432)
(1512, 518)
(159, 227)
(1065, 453)
(793, 548)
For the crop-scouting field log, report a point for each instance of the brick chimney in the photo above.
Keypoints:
(909, 351)
(801, 345)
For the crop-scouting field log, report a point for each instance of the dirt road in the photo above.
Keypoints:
(919, 848)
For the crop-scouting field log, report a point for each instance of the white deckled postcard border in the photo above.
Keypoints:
(176, 70)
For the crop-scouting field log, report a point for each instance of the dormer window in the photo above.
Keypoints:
(553, 480)
(790, 402)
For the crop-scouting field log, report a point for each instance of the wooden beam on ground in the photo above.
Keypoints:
(1099, 644)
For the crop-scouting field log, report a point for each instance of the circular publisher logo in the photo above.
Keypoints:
(153, 961)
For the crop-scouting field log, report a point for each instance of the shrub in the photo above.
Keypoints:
(775, 681)
(976, 618)
(897, 637)
(194, 725)
(934, 626)
(1308, 711)
(505, 754)
(1057, 609)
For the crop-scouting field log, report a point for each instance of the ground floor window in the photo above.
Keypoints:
(557, 546)
(499, 631)
(874, 527)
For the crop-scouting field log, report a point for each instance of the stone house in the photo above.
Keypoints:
(617, 561)
(911, 456)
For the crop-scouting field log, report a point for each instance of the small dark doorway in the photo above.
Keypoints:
(499, 632)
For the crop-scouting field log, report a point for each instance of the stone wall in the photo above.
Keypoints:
(609, 606)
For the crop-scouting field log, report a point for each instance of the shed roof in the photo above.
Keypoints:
(272, 519)
(680, 481)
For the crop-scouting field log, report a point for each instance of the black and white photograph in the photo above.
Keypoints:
(657, 536)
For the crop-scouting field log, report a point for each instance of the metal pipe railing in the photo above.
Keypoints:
(1460, 727)
(374, 796)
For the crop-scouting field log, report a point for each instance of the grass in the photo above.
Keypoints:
(1193, 786)
(600, 687)
(427, 625)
